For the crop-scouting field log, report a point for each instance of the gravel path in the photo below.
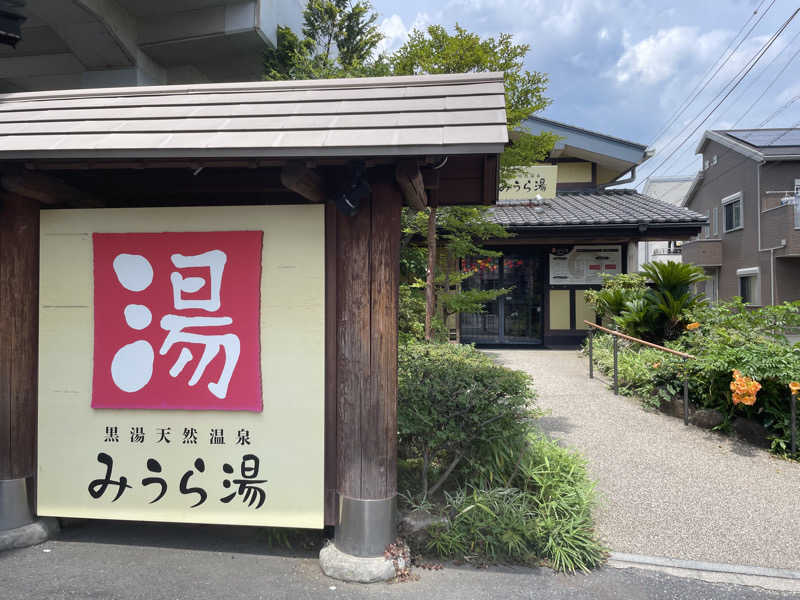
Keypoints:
(669, 490)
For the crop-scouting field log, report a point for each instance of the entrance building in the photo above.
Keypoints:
(571, 228)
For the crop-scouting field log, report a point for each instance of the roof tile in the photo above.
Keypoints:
(609, 207)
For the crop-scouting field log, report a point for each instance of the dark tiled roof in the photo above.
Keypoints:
(609, 207)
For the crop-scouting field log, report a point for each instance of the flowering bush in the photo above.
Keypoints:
(748, 343)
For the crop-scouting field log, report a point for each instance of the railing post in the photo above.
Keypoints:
(793, 401)
(685, 393)
(616, 372)
(591, 363)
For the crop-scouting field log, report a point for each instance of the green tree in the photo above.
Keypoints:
(435, 51)
(340, 39)
(460, 232)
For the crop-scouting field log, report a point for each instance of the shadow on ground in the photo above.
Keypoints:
(299, 543)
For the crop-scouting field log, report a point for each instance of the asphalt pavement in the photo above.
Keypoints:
(130, 561)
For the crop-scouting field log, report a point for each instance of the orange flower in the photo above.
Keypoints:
(794, 386)
(744, 389)
(656, 365)
(692, 326)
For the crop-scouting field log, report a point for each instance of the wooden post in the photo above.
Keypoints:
(367, 254)
(19, 307)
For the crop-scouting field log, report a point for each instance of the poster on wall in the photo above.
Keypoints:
(585, 265)
(182, 365)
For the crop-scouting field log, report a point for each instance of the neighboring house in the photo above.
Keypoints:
(69, 44)
(667, 189)
(749, 188)
(567, 238)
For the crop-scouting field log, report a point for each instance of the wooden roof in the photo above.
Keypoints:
(386, 116)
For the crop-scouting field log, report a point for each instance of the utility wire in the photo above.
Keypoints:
(747, 70)
(766, 89)
(696, 92)
(756, 56)
(744, 159)
(779, 111)
(744, 92)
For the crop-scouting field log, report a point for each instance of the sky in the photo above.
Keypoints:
(629, 69)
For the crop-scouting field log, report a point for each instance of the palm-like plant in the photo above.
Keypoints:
(671, 296)
(673, 277)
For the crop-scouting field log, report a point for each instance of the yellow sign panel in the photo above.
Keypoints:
(247, 461)
(532, 181)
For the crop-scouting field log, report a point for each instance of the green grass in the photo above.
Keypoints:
(545, 519)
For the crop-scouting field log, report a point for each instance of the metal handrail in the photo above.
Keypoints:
(617, 335)
(683, 356)
(633, 339)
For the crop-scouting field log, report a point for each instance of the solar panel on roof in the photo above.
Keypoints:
(765, 138)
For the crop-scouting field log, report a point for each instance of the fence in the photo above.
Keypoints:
(684, 356)
(617, 335)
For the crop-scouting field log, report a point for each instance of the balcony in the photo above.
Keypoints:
(703, 253)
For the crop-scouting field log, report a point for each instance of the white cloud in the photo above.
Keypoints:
(660, 56)
(396, 33)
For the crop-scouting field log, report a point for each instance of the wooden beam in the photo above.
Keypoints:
(304, 181)
(409, 178)
(47, 189)
(430, 178)
(19, 300)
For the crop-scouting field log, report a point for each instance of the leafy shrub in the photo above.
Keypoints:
(455, 406)
(653, 313)
(730, 336)
(411, 316)
(547, 516)
(609, 301)
(512, 494)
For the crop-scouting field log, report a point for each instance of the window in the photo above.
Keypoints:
(715, 222)
(732, 212)
(746, 287)
(749, 288)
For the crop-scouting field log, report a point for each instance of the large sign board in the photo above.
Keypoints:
(532, 181)
(585, 265)
(181, 365)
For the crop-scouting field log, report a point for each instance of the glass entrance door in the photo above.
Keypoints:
(516, 317)
(522, 307)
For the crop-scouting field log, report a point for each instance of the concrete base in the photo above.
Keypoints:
(346, 567)
(29, 535)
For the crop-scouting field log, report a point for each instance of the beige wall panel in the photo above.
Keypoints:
(583, 311)
(574, 172)
(559, 309)
(287, 435)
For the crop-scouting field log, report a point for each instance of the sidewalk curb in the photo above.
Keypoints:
(763, 577)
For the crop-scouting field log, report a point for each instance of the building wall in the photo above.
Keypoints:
(574, 172)
(787, 279)
(777, 176)
(732, 173)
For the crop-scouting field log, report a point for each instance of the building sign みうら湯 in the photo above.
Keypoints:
(537, 180)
